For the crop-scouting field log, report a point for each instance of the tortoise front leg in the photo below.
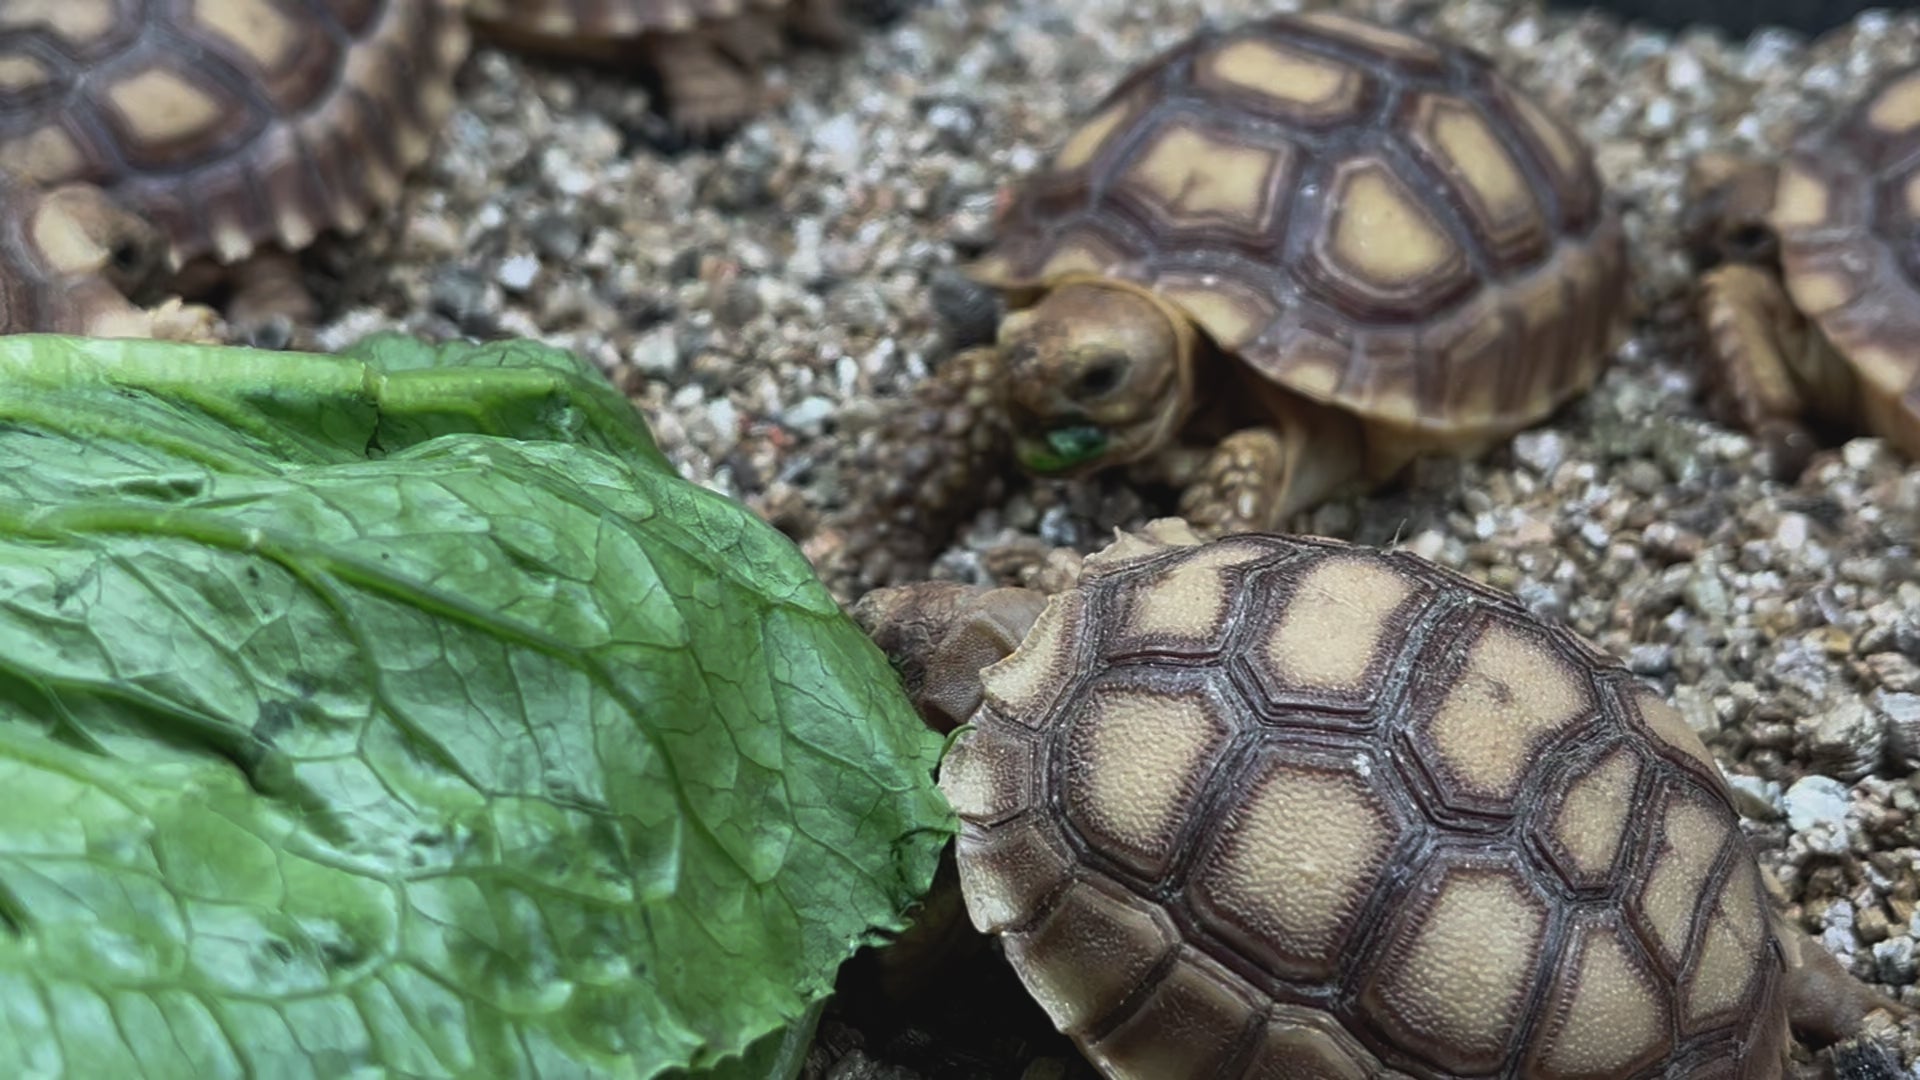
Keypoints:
(271, 306)
(1756, 344)
(1259, 477)
(933, 463)
(1825, 1003)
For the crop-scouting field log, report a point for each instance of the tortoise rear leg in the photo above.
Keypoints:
(1259, 477)
(706, 91)
(820, 23)
(1768, 365)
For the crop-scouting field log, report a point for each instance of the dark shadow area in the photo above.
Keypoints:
(1737, 17)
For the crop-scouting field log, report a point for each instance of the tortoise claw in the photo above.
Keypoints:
(1240, 488)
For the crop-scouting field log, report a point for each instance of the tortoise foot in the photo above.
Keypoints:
(706, 96)
(1240, 487)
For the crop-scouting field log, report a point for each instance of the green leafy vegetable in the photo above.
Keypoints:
(405, 714)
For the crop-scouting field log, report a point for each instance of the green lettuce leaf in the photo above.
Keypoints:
(405, 714)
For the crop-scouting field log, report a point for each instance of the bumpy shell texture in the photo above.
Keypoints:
(1285, 808)
(1371, 219)
(1847, 210)
(228, 123)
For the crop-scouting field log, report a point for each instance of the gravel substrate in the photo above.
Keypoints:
(763, 302)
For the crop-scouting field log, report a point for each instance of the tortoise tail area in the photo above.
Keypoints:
(930, 465)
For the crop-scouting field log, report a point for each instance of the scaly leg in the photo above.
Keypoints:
(1825, 1003)
(820, 23)
(270, 306)
(931, 465)
(1754, 338)
(1259, 477)
(707, 94)
(940, 635)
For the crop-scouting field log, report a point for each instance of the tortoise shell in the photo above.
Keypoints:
(228, 123)
(1370, 219)
(1846, 210)
(1284, 807)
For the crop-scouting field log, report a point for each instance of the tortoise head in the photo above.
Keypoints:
(939, 635)
(1099, 373)
(80, 230)
(1729, 203)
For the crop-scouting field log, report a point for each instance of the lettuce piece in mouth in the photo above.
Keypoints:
(404, 713)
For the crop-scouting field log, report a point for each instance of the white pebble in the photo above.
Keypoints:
(1683, 71)
(839, 139)
(1755, 797)
(809, 417)
(725, 420)
(1816, 801)
(1541, 451)
(1893, 960)
(1862, 454)
(516, 272)
(1792, 531)
(656, 354)
(1660, 114)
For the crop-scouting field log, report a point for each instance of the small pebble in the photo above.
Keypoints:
(1058, 528)
(1845, 740)
(464, 296)
(840, 138)
(656, 354)
(1541, 451)
(517, 272)
(1900, 713)
(1757, 798)
(1816, 802)
(809, 417)
(1893, 961)
(1650, 660)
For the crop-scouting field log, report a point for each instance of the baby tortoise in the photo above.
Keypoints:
(704, 56)
(1287, 808)
(239, 127)
(1278, 258)
(228, 125)
(1815, 308)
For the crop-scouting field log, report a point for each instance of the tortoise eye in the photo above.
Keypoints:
(1101, 379)
(1748, 243)
(130, 261)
